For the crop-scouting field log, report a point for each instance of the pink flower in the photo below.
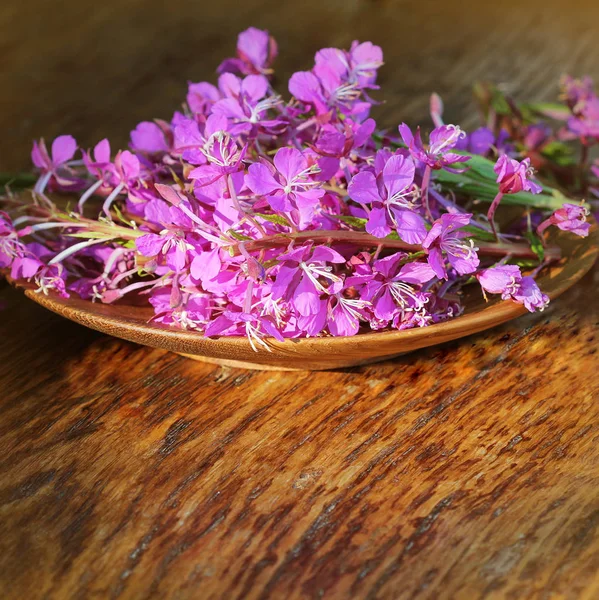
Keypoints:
(288, 185)
(394, 289)
(303, 275)
(256, 51)
(148, 137)
(55, 169)
(246, 104)
(514, 176)
(201, 97)
(390, 193)
(445, 237)
(442, 141)
(508, 281)
(570, 217)
(10, 245)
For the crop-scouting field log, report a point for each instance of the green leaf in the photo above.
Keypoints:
(560, 153)
(553, 110)
(479, 182)
(277, 219)
(478, 233)
(17, 181)
(91, 235)
(535, 245)
(525, 263)
(238, 236)
(357, 222)
(499, 103)
(119, 214)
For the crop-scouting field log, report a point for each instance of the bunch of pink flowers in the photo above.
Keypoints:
(250, 213)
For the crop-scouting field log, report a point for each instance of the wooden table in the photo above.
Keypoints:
(467, 471)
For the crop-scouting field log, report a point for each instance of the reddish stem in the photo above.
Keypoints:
(364, 239)
(491, 214)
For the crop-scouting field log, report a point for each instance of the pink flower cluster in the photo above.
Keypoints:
(251, 214)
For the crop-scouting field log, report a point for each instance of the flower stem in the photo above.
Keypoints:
(364, 239)
(491, 214)
(425, 185)
(582, 166)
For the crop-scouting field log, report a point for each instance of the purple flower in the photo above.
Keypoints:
(52, 278)
(364, 61)
(570, 217)
(10, 245)
(192, 141)
(256, 51)
(585, 124)
(514, 176)
(390, 192)
(246, 104)
(480, 141)
(288, 185)
(302, 277)
(576, 91)
(442, 140)
(201, 97)
(170, 247)
(148, 137)
(537, 135)
(333, 143)
(216, 194)
(344, 314)
(392, 289)
(357, 67)
(338, 79)
(25, 266)
(55, 169)
(254, 326)
(99, 163)
(508, 281)
(192, 310)
(445, 237)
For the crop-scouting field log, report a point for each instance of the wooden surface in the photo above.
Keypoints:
(466, 471)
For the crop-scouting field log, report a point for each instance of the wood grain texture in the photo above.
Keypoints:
(465, 471)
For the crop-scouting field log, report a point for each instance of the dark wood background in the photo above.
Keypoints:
(467, 471)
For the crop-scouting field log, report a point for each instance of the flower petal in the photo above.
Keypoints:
(63, 149)
(363, 189)
(290, 162)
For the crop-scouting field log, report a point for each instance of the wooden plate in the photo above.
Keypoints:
(131, 323)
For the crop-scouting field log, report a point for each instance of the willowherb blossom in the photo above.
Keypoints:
(246, 104)
(508, 281)
(11, 246)
(248, 214)
(288, 185)
(446, 239)
(438, 154)
(256, 51)
(390, 193)
(576, 92)
(571, 217)
(306, 273)
(515, 176)
(56, 167)
(585, 124)
(338, 81)
(149, 137)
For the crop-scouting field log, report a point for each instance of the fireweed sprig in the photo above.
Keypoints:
(250, 214)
